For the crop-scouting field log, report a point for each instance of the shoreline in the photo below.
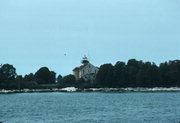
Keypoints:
(73, 89)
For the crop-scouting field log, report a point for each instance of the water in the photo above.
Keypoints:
(90, 107)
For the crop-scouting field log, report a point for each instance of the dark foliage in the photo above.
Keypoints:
(10, 80)
(131, 74)
(67, 81)
(44, 76)
(82, 84)
(139, 74)
(7, 77)
(59, 79)
(105, 76)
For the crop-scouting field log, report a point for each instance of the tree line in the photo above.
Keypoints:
(139, 74)
(10, 80)
(134, 73)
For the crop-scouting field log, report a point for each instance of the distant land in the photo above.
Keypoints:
(134, 73)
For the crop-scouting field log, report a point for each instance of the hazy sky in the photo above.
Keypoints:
(37, 33)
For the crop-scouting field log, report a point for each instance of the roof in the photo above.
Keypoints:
(79, 68)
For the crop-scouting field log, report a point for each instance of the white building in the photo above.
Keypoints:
(87, 71)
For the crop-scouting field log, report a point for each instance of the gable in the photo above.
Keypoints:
(89, 66)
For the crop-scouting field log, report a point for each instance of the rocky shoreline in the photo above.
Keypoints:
(73, 89)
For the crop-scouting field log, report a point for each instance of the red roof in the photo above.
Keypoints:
(79, 68)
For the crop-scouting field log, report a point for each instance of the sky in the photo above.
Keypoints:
(58, 33)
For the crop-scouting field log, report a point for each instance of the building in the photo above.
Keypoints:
(87, 71)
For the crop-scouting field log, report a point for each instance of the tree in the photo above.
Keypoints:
(29, 77)
(131, 70)
(68, 81)
(59, 78)
(104, 76)
(153, 74)
(119, 74)
(52, 77)
(44, 76)
(7, 76)
(19, 81)
(81, 83)
(170, 73)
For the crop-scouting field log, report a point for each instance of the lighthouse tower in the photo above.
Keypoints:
(85, 60)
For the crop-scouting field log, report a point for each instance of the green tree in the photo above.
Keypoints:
(68, 81)
(29, 77)
(131, 70)
(20, 81)
(52, 77)
(105, 75)
(153, 76)
(7, 77)
(170, 73)
(44, 76)
(119, 74)
(59, 78)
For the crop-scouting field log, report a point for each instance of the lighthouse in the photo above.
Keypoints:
(86, 71)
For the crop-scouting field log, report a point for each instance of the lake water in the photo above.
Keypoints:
(159, 107)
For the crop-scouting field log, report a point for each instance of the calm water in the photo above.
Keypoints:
(90, 107)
